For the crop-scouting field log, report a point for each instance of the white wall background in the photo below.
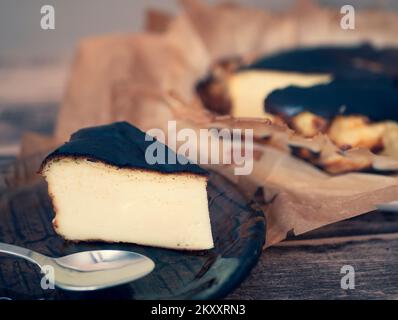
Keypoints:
(21, 36)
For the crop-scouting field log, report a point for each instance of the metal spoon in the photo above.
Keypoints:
(89, 270)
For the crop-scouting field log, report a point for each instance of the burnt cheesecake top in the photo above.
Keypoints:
(122, 145)
(375, 98)
(364, 64)
(364, 82)
(351, 62)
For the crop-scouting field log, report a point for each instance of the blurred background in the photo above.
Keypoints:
(34, 63)
(21, 36)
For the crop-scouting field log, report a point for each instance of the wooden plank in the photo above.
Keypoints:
(20, 173)
(376, 222)
(9, 150)
(312, 271)
(6, 161)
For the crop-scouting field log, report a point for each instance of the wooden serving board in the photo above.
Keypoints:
(25, 220)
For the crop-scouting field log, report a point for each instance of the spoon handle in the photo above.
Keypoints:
(20, 252)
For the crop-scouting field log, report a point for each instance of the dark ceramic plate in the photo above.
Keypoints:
(25, 220)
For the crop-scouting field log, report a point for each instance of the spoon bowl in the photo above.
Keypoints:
(88, 270)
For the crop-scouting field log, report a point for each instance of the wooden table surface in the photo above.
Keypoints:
(306, 267)
(309, 267)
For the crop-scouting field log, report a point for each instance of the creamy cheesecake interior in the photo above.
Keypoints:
(98, 201)
(248, 89)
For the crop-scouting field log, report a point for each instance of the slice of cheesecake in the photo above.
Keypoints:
(103, 188)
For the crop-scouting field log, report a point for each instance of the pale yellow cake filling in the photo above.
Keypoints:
(96, 201)
(248, 89)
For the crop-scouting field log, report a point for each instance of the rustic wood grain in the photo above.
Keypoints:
(312, 270)
(308, 266)
(15, 119)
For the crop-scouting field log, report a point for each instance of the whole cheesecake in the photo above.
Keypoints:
(103, 188)
(338, 75)
(348, 93)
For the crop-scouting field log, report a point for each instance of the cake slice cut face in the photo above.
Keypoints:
(103, 189)
(249, 89)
